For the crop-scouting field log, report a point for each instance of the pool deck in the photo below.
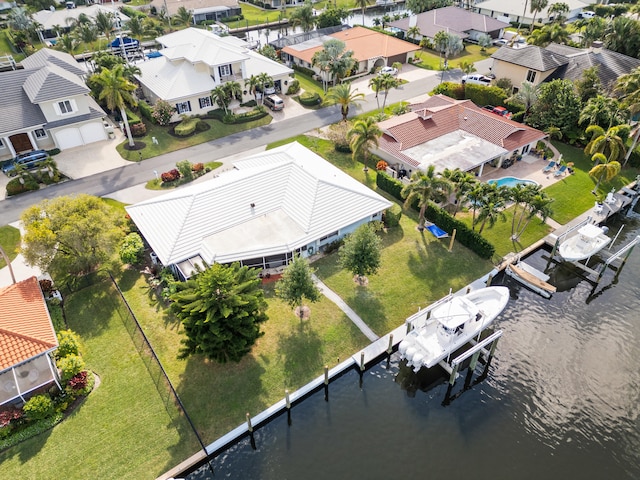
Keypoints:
(529, 168)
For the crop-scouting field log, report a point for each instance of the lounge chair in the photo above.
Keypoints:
(549, 167)
(560, 171)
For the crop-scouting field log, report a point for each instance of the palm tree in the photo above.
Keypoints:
(252, 84)
(82, 19)
(536, 7)
(130, 71)
(383, 83)
(602, 111)
(116, 90)
(413, 32)
(622, 36)
(463, 183)
(536, 205)
(554, 33)
(524, 13)
(363, 136)
(333, 61)
(527, 95)
(220, 96)
(492, 207)
(604, 170)
(558, 10)
(233, 89)
(136, 27)
(86, 33)
(594, 29)
(424, 188)
(610, 143)
(345, 97)
(362, 4)
(183, 16)
(67, 43)
(303, 17)
(467, 67)
(263, 79)
(104, 23)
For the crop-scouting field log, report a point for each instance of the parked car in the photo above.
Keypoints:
(587, 14)
(274, 102)
(503, 112)
(476, 79)
(268, 89)
(388, 70)
(28, 160)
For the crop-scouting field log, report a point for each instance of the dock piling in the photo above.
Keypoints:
(288, 403)
(326, 383)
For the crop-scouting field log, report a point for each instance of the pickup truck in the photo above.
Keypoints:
(498, 111)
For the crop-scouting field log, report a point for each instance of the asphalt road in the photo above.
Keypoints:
(137, 173)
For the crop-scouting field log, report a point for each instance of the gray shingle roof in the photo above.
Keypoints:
(611, 65)
(17, 111)
(51, 83)
(531, 57)
(451, 19)
(48, 56)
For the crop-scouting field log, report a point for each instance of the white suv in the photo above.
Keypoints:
(476, 79)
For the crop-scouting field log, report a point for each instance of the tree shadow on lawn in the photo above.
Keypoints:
(392, 235)
(302, 352)
(28, 449)
(87, 311)
(216, 396)
(365, 301)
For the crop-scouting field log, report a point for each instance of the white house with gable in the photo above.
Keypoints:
(276, 204)
(193, 62)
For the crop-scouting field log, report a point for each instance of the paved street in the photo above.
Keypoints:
(110, 181)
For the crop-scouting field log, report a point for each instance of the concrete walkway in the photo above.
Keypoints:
(353, 316)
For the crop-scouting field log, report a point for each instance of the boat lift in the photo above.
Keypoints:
(474, 352)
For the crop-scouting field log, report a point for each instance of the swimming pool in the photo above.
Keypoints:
(512, 182)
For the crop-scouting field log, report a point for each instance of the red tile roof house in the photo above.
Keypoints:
(452, 134)
(27, 342)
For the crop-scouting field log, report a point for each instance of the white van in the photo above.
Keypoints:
(274, 102)
(476, 79)
(587, 14)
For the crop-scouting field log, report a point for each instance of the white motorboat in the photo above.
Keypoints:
(589, 240)
(453, 322)
(531, 277)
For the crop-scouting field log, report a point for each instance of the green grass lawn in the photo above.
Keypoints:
(255, 16)
(471, 53)
(9, 241)
(123, 429)
(308, 84)
(168, 143)
(290, 354)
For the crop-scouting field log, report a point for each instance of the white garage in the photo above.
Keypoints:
(75, 136)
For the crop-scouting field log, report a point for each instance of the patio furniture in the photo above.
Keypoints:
(560, 171)
(549, 167)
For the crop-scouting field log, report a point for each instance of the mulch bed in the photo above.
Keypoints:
(270, 278)
(136, 146)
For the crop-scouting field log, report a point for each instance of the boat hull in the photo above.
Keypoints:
(530, 280)
(581, 247)
(435, 340)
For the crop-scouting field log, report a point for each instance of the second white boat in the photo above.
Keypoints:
(589, 240)
(452, 323)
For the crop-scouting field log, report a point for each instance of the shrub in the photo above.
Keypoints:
(450, 89)
(132, 249)
(197, 167)
(70, 366)
(46, 286)
(53, 151)
(202, 126)
(56, 314)
(138, 129)
(294, 87)
(78, 382)
(255, 114)
(9, 415)
(132, 118)
(162, 112)
(68, 344)
(184, 167)
(170, 176)
(392, 216)
(307, 71)
(39, 407)
(14, 187)
(333, 246)
(481, 95)
(146, 111)
(337, 134)
(186, 127)
(310, 99)
(382, 165)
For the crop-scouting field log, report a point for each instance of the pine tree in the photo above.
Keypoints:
(221, 309)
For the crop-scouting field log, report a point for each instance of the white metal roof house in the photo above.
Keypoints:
(274, 205)
(514, 10)
(201, 10)
(193, 62)
(49, 20)
(47, 105)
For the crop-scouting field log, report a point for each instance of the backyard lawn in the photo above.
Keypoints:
(123, 429)
(289, 355)
(168, 143)
(9, 241)
(471, 53)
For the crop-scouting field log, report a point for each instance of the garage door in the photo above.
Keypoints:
(93, 132)
(68, 138)
(74, 136)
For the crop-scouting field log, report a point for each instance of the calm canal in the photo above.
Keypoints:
(562, 401)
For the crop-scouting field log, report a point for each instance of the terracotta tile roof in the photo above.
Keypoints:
(25, 326)
(441, 115)
(364, 43)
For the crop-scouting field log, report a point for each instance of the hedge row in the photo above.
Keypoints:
(255, 114)
(307, 71)
(467, 237)
(146, 111)
(310, 99)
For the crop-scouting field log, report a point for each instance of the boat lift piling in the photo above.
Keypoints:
(250, 428)
(475, 352)
(326, 383)
(288, 404)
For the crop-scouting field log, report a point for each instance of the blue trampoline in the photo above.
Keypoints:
(437, 231)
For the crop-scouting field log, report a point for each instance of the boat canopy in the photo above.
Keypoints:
(456, 312)
(590, 231)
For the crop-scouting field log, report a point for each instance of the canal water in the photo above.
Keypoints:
(561, 401)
